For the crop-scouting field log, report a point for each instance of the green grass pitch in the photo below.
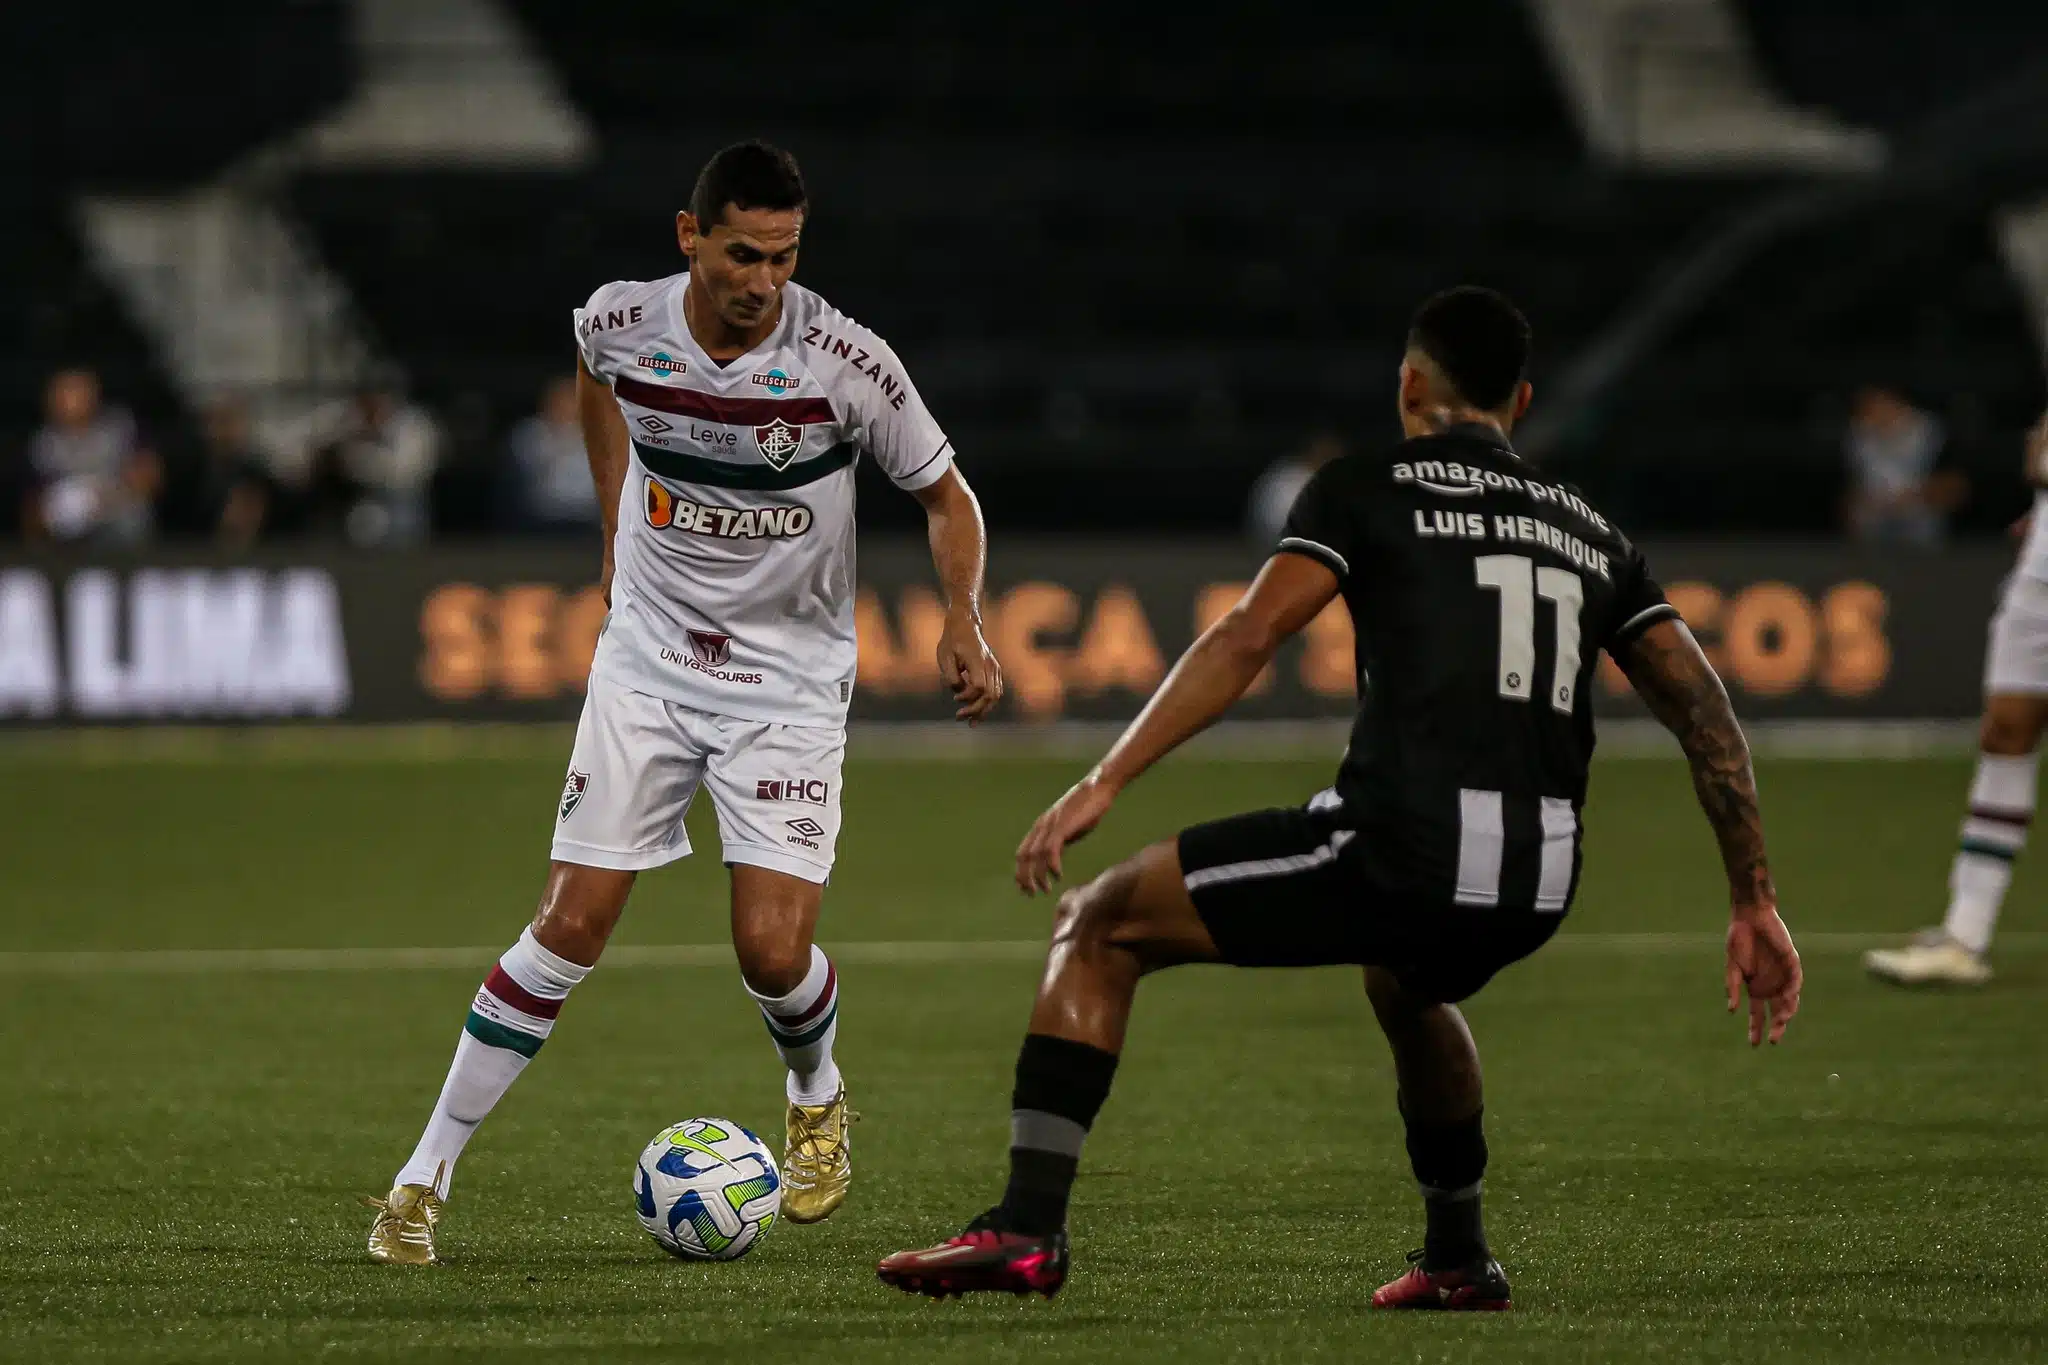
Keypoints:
(180, 1152)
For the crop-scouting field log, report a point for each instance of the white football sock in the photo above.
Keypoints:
(513, 1014)
(2001, 807)
(804, 1024)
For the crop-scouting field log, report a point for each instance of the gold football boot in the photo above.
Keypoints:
(404, 1231)
(817, 1160)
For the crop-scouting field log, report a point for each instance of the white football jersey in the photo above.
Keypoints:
(732, 587)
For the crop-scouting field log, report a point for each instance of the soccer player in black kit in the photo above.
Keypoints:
(1481, 592)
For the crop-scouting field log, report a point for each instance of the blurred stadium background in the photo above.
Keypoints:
(284, 293)
(290, 282)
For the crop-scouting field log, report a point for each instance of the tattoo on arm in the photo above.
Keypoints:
(1682, 690)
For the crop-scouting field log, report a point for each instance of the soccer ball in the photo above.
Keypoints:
(707, 1189)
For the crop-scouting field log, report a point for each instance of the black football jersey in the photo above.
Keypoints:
(1481, 593)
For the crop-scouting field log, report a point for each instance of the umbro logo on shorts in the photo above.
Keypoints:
(808, 832)
(572, 793)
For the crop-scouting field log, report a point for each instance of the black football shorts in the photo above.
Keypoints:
(1290, 888)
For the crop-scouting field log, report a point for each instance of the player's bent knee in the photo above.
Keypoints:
(1095, 914)
(773, 961)
(1086, 915)
(2012, 725)
(1138, 908)
(579, 909)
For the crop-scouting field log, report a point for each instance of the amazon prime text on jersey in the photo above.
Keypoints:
(1451, 479)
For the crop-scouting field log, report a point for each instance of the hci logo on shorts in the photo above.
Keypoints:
(809, 790)
(779, 442)
(572, 793)
(710, 647)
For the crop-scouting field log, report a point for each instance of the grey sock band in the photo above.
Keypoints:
(1436, 1196)
(1043, 1132)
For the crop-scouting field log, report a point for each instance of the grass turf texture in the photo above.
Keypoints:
(180, 1152)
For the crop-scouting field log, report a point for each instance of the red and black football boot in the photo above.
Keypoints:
(987, 1257)
(1478, 1288)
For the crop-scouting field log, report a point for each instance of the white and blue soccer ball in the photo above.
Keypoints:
(707, 1189)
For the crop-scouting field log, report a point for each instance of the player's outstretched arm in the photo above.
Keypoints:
(959, 540)
(604, 445)
(1288, 593)
(1674, 679)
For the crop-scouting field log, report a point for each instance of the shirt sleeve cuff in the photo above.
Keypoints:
(928, 473)
(1640, 622)
(1316, 550)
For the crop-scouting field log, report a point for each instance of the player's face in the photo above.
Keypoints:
(742, 263)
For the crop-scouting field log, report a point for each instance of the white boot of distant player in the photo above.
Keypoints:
(1994, 832)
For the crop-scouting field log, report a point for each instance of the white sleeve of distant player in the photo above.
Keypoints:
(898, 430)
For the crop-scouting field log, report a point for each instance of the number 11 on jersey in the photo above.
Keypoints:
(1519, 584)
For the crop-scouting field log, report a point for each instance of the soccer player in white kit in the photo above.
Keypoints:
(2002, 794)
(723, 410)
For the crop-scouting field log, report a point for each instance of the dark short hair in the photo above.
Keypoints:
(746, 175)
(1478, 339)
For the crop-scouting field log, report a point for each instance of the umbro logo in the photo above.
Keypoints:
(649, 422)
(807, 827)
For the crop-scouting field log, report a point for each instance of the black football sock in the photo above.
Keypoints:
(1060, 1088)
(1449, 1161)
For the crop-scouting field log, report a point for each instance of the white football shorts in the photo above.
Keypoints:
(2016, 660)
(639, 760)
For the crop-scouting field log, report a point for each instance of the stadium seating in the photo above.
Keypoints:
(129, 104)
(1101, 276)
(1891, 63)
(1735, 420)
(1108, 280)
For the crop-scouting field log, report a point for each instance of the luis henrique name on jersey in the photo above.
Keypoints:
(1456, 480)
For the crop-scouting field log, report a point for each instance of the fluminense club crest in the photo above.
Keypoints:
(572, 793)
(779, 442)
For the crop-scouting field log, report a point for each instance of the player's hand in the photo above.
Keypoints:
(1066, 821)
(1763, 962)
(968, 667)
